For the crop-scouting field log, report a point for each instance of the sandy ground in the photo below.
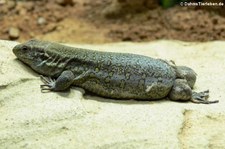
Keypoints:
(31, 119)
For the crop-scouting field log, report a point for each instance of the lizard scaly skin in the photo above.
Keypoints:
(108, 74)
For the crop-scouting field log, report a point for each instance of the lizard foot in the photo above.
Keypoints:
(48, 85)
(202, 97)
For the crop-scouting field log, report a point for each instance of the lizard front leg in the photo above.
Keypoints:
(63, 82)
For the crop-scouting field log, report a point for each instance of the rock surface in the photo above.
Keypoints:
(31, 119)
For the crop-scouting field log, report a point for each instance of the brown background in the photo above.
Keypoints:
(100, 21)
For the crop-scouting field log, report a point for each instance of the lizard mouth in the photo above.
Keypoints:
(16, 49)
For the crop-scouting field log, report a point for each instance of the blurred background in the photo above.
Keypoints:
(104, 21)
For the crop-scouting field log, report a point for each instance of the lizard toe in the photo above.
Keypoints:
(202, 97)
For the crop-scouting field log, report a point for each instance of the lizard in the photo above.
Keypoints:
(109, 74)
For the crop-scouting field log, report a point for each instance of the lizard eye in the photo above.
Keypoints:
(24, 48)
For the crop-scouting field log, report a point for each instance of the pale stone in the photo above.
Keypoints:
(14, 33)
(31, 119)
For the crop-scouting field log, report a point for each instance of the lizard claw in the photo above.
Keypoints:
(202, 97)
(48, 85)
(47, 80)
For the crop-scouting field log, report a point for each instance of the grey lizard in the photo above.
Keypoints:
(108, 74)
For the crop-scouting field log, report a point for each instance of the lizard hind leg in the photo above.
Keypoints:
(202, 97)
(61, 83)
(181, 91)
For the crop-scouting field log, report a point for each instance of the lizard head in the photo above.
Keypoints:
(30, 52)
(38, 55)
